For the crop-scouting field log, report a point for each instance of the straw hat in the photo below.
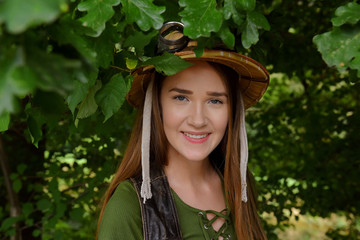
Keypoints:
(253, 77)
(253, 81)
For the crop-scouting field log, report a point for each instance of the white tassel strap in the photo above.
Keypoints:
(244, 152)
(145, 144)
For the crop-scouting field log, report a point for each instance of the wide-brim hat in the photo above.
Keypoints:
(253, 77)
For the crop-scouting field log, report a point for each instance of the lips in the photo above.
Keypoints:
(196, 137)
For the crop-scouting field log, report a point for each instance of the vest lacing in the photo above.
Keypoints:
(225, 214)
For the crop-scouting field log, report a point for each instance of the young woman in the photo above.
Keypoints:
(184, 173)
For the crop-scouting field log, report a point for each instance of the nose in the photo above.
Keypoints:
(197, 116)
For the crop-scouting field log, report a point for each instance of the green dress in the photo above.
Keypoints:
(122, 218)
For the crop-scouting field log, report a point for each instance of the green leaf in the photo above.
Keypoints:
(77, 214)
(79, 93)
(4, 121)
(17, 185)
(9, 222)
(19, 15)
(104, 46)
(340, 48)
(139, 40)
(226, 36)
(35, 130)
(35, 122)
(27, 209)
(254, 21)
(88, 106)
(200, 18)
(246, 5)
(168, 64)
(43, 204)
(16, 79)
(250, 35)
(259, 20)
(131, 63)
(112, 95)
(21, 168)
(349, 13)
(144, 13)
(230, 10)
(98, 13)
(36, 232)
(67, 32)
(55, 72)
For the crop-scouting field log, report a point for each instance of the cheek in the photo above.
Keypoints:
(224, 124)
(221, 120)
(169, 115)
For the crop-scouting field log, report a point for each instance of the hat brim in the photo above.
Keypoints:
(253, 77)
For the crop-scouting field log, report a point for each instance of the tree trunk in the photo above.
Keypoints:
(15, 209)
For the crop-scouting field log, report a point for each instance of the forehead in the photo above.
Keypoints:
(200, 75)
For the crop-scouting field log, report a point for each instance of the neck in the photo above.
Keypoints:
(187, 172)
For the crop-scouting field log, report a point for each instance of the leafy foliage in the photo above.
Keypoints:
(64, 121)
(200, 18)
(98, 13)
(340, 47)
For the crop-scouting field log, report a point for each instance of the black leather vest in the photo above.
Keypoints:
(159, 215)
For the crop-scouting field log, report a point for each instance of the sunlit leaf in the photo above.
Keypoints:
(131, 63)
(112, 95)
(144, 13)
(200, 17)
(98, 13)
(19, 15)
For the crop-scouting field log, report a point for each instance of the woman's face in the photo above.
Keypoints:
(194, 106)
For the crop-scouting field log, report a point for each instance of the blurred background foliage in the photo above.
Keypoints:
(64, 74)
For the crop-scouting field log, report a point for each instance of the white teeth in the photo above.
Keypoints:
(195, 136)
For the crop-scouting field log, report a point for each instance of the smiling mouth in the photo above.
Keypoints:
(196, 136)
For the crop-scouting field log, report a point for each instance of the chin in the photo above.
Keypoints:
(196, 157)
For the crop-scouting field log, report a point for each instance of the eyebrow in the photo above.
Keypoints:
(184, 91)
(179, 90)
(217, 94)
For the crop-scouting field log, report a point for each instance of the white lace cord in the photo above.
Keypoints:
(244, 152)
(145, 144)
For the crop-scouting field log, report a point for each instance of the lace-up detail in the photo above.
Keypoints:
(208, 223)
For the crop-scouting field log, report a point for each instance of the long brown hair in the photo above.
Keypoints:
(247, 222)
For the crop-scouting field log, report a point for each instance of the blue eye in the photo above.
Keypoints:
(215, 101)
(180, 98)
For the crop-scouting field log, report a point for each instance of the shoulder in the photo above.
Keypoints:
(122, 215)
